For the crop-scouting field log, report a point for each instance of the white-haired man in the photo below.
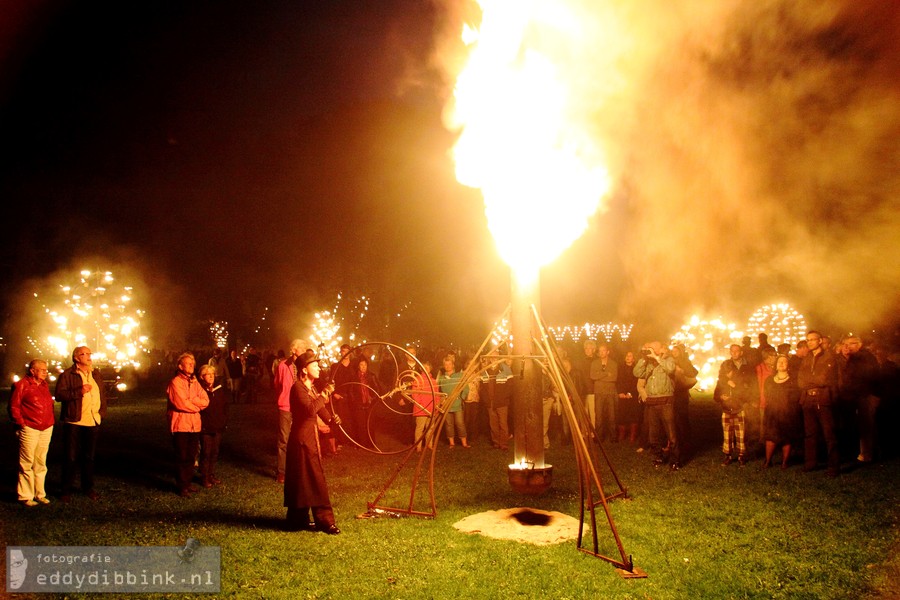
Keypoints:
(81, 393)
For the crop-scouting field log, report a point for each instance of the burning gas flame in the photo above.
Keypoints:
(524, 140)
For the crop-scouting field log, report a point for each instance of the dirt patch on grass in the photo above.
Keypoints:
(526, 525)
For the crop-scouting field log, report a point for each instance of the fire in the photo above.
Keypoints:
(520, 107)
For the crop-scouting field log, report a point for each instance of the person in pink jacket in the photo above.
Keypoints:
(424, 391)
(186, 399)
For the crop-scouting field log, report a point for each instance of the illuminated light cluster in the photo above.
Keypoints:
(325, 336)
(329, 327)
(592, 331)
(219, 332)
(781, 322)
(519, 106)
(707, 343)
(96, 312)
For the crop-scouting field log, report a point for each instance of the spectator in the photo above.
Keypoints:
(763, 344)
(31, 411)
(471, 409)
(629, 413)
(795, 359)
(213, 420)
(285, 378)
(818, 380)
(235, 375)
(454, 424)
(495, 392)
(604, 374)
(81, 392)
(757, 405)
(750, 354)
(582, 370)
(657, 368)
(733, 389)
(782, 416)
(861, 390)
(186, 399)
(342, 375)
(424, 390)
(217, 361)
(366, 390)
(253, 371)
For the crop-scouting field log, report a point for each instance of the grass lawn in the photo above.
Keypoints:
(703, 532)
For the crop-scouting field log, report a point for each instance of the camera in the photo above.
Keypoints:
(646, 351)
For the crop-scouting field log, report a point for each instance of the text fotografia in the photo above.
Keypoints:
(114, 569)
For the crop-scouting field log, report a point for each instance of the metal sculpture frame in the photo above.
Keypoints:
(589, 452)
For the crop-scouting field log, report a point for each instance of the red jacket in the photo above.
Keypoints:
(31, 404)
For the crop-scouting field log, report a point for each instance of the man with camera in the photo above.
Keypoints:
(657, 368)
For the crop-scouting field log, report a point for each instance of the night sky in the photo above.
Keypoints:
(230, 157)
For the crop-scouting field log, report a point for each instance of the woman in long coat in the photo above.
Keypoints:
(304, 478)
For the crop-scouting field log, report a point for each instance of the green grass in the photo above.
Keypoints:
(703, 532)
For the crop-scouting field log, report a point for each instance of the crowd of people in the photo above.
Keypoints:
(792, 400)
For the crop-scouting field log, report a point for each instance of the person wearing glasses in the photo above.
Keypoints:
(818, 382)
(82, 395)
(31, 410)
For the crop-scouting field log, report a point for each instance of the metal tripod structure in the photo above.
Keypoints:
(589, 453)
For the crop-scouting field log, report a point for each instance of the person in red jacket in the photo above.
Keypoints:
(31, 410)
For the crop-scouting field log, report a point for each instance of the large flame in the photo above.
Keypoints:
(520, 108)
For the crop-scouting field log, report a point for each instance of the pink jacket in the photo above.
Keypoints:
(422, 395)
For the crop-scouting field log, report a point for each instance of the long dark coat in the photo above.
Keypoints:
(304, 476)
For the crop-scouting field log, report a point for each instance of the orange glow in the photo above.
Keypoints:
(520, 107)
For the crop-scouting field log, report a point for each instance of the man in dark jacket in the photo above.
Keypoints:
(733, 392)
(82, 395)
(818, 382)
(860, 388)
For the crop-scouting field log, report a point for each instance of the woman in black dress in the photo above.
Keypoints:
(783, 416)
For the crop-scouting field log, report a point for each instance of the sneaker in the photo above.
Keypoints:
(28, 502)
(44, 500)
(658, 461)
(727, 460)
(742, 461)
(676, 466)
